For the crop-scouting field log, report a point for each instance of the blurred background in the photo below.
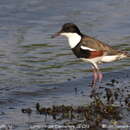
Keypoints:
(30, 59)
(27, 53)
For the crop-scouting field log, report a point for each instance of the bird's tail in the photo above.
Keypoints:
(123, 55)
(126, 54)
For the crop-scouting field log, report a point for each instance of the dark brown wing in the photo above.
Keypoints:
(98, 45)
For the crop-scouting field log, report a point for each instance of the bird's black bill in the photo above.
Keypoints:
(55, 35)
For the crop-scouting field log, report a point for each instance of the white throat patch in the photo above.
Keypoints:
(73, 38)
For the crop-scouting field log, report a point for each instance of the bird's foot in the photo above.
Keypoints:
(93, 84)
(94, 93)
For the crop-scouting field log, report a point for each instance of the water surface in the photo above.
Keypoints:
(30, 59)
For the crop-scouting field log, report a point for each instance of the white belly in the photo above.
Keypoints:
(92, 60)
(109, 58)
(112, 58)
(104, 59)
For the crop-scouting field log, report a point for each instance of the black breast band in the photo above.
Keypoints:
(80, 53)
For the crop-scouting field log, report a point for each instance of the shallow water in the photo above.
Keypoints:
(30, 59)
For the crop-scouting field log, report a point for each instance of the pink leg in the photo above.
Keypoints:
(100, 76)
(98, 72)
(95, 76)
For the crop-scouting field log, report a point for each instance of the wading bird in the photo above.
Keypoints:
(90, 49)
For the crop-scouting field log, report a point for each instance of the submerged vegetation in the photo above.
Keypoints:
(105, 109)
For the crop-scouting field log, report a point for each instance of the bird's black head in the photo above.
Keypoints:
(68, 28)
